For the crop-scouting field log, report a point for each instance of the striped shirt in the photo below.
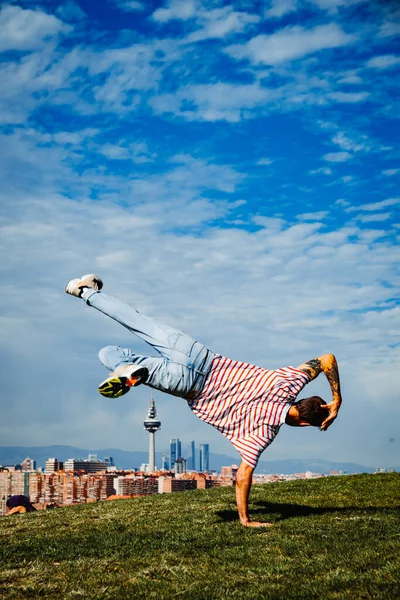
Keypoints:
(247, 404)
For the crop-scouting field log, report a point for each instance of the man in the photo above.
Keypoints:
(245, 403)
(19, 504)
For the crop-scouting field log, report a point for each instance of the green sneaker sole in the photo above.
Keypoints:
(115, 387)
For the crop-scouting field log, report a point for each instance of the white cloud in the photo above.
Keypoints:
(264, 161)
(212, 102)
(279, 8)
(313, 216)
(346, 143)
(199, 173)
(86, 79)
(342, 203)
(386, 61)
(73, 138)
(375, 218)
(373, 206)
(236, 101)
(70, 11)
(337, 157)
(350, 78)
(115, 152)
(176, 9)
(322, 170)
(290, 43)
(390, 172)
(347, 178)
(390, 28)
(27, 29)
(334, 5)
(130, 5)
(127, 71)
(34, 79)
(221, 22)
(349, 97)
(137, 152)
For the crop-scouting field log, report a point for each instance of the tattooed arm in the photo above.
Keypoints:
(328, 365)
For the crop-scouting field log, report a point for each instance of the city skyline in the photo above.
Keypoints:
(229, 168)
(78, 480)
(93, 464)
(62, 486)
(151, 422)
(134, 458)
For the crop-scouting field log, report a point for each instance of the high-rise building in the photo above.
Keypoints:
(204, 458)
(88, 465)
(165, 462)
(109, 460)
(191, 460)
(175, 451)
(53, 465)
(14, 482)
(28, 464)
(152, 424)
(5, 484)
(180, 465)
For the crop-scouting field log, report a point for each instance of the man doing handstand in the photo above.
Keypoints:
(247, 404)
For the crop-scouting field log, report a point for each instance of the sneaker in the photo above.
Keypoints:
(121, 381)
(75, 287)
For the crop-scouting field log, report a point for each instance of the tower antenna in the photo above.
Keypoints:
(152, 424)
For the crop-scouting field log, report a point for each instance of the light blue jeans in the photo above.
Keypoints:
(183, 364)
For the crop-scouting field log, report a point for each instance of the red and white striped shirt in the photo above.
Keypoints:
(247, 404)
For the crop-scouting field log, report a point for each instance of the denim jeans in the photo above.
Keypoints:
(183, 363)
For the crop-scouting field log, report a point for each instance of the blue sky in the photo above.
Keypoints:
(229, 167)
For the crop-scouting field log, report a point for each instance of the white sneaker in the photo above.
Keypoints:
(75, 287)
(121, 381)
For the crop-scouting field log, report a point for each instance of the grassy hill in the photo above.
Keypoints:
(337, 537)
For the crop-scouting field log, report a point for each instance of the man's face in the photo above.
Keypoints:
(293, 418)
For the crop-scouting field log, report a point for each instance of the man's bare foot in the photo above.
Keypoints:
(257, 524)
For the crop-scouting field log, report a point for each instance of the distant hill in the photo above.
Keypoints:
(11, 455)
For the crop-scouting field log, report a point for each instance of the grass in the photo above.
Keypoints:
(337, 537)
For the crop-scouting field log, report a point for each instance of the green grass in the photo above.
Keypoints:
(337, 537)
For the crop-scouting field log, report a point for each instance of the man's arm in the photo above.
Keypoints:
(328, 365)
(244, 478)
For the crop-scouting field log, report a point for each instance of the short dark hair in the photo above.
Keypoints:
(310, 410)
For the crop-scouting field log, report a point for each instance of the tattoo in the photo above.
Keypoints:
(332, 375)
(312, 367)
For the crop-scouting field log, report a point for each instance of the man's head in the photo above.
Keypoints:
(307, 411)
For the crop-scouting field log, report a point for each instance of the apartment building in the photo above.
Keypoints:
(87, 465)
(14, 482)
(28, 464)
(53, 465)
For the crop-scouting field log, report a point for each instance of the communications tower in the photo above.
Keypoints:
(152, 424)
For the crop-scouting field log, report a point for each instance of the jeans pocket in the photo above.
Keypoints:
(181, 343)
